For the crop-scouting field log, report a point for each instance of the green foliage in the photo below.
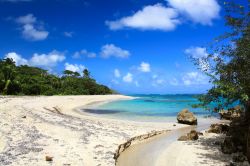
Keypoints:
(229, 61)
(27, 80)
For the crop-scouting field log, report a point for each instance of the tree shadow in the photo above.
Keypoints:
(209, 150)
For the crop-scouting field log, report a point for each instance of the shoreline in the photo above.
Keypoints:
(34, 127)
(153, 151)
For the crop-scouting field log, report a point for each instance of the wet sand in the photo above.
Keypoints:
(155, 151)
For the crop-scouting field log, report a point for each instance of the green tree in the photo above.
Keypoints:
(86, 74)
(229, 61)
(8, 70)
(28, 80)
(229, 72)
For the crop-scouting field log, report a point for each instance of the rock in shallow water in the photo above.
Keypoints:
(186, 117)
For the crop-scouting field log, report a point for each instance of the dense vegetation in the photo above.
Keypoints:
(27, 80)
(229, 61)
(229, 72)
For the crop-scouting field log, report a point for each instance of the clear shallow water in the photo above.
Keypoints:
(150, 108)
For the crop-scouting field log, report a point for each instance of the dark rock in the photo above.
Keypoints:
(192, 136)
(24, 117)
(231, 113)
(186, 117)
(174, 124)
(218, 128)
(48, 158)
(228, 146)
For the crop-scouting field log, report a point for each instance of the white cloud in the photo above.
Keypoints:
(199, 53)
(85, 53)
(144, 67)
(17, 58)
(28, 19)
(199, 11)
(31, 28)
(110, 50)
(117, 73)
(74, 67)
(68, 34)
(47, 60)
(152, 17)
(128, 78)
(31, 33)
(194, 78)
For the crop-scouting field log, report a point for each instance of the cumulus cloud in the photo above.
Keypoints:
(144, 67)
(110, 50)
(31, 33)
(31, 28)
(85, 53)
(47, 60)
(27, 19)
(17, 58)
(117, 73)
(194, 78)
(74, 67)
(167, 18)
(128, 78)
(152, 17)
(199, 53)
(42, 60)
(198, 11)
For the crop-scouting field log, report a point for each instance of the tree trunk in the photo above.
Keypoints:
(247, 120)
(5, 90)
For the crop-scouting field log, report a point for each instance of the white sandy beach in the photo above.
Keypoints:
(33, 127)
(70, 137)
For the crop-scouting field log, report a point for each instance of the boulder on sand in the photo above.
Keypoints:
(192, 136)
(218, 128)
(186, 117)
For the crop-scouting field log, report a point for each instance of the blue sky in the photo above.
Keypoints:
(130, 45)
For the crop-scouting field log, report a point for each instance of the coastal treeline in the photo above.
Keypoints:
(29, 80)
(228, 66)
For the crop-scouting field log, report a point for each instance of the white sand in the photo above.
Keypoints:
(70, 138)
(204, 151)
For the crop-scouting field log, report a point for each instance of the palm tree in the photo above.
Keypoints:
(86, 73)
(8, 69)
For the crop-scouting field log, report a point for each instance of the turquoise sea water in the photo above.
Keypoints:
(149, 107)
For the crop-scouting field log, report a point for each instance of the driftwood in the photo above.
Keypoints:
(56, 110)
